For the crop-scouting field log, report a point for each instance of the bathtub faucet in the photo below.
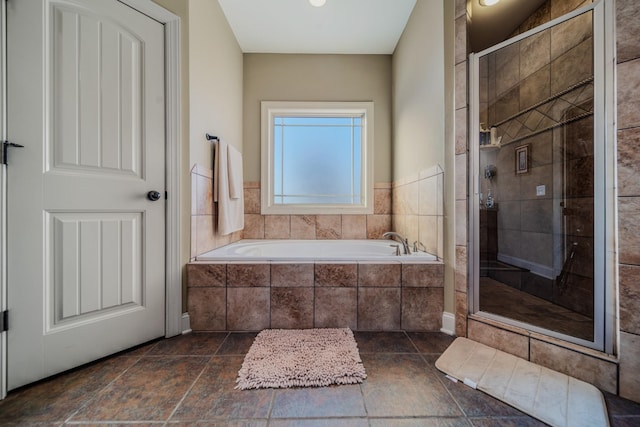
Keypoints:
(399, 238)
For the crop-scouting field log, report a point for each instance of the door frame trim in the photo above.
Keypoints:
(3, 196)
(173, 220)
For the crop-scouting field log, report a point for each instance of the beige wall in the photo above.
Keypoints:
(215, 80)
(418, 92)
(274, 77)
(215, 99)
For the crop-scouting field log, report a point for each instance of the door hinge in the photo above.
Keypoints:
(5, 149)
(4, 321)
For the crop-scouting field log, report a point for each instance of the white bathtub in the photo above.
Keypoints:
(313, 250)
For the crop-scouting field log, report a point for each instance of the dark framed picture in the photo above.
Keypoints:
(522, 159)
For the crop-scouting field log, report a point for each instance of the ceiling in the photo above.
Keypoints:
(354, 26)
(340, 26)
(491, 25)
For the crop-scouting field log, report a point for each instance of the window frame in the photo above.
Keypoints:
(272, 109)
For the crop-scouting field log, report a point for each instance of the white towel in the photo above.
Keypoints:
(230, 209)
(234, 162)
(216, 170)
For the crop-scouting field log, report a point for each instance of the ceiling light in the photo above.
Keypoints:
(320, 3)
(488, 2)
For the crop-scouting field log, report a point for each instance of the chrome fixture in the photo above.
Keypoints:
(399, 238)
(397, 248)
(417, 245)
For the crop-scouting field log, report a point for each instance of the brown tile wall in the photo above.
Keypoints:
(462, 19)
(321, 227)
(205, 237)
(628, 133)
(361, 296)
(603, 371)
(584, 364)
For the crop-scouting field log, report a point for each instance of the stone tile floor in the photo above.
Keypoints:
(189, 380)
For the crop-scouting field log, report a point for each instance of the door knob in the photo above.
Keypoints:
(153, 195)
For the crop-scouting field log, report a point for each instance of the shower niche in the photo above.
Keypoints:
(537, 154)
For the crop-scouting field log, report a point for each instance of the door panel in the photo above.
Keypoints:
(85, 246)
(96, 85)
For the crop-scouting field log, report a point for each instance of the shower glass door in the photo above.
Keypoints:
(537, 159)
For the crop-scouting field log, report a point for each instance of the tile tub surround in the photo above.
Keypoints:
(358, 295)
(204, 220)
(320, 227)
(418, 209)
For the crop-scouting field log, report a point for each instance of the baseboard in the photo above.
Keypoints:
(448, 323)
(186, 324)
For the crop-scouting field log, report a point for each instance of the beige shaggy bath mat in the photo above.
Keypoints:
(552, 397)
(281, 358)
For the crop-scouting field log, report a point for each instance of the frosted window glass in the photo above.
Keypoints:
(317, 160)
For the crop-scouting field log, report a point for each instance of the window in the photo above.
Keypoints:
(317, 158)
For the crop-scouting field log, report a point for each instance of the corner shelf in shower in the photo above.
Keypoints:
(490, 146)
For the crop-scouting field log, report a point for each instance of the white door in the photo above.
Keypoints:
(86, 272)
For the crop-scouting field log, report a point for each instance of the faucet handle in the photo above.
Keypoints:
(417, 245)
(397, 249)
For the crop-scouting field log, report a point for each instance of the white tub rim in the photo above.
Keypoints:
(218, 255)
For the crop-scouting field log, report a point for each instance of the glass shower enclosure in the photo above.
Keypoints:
(538, 179)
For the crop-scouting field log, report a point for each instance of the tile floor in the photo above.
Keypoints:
(189, 380)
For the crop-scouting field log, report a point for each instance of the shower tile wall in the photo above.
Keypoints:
(321, 227)
(628, 75)
(462, 18)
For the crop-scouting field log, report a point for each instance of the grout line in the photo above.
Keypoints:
(97, 393)
(271, 404)
(186, 393)
(221, 344)
(412, 343)
(442, 378)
